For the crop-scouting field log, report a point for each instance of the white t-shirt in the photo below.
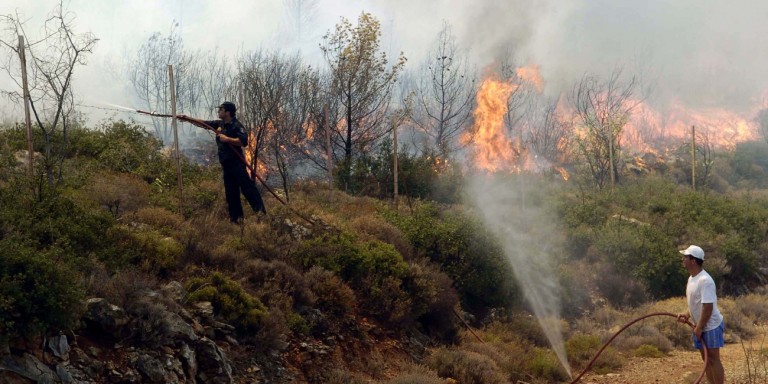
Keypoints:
(701, 290)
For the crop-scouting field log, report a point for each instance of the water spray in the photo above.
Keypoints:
(591, 362)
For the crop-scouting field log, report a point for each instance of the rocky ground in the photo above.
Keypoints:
(156, 339)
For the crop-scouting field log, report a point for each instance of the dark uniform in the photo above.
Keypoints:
(236, 177)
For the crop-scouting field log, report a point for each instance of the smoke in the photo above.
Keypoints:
(516, 211)
(703, 55)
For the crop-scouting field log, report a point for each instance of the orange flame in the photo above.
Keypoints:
(261, 167)
(532, 75)
(309, 128)
(649, 128)
(563, 173)
(492, 148)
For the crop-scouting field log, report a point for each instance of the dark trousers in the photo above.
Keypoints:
(236, 179)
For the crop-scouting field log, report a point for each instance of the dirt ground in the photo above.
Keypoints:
(680, 367)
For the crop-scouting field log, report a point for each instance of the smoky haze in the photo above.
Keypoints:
(703, 54)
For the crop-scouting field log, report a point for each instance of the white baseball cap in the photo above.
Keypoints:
(694, 251)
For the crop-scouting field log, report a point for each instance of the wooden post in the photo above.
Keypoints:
(176, 140)
(610, 156)
(328, 150)
(693, 157)
(394, 145)
(27, 117)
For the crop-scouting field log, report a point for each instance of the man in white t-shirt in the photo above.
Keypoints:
(702, 308)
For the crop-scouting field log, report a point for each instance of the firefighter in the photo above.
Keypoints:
(231, 138)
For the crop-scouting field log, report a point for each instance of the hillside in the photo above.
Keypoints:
(102, 280)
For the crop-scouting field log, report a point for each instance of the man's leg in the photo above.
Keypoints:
(714, 370)
(251, 193)
(232, 193)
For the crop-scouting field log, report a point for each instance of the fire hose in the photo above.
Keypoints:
(254, 175)
(591, 362)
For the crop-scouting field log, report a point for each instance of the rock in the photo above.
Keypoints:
(93, 351)
(151, 368)
(204, 309)
(7, 377)
(63, 374)
(189, 362)
(29, 367)
(131, 376)
(80, 357)
(22, 157)
(94, 369)
(213, 365)
(174, 291)
(173, 327)
(59, 346)
(110, 318)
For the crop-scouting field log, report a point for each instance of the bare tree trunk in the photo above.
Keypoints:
(27, 119)
(176, 140)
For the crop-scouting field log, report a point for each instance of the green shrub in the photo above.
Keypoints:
(412, 373)
(144, 247)
(646, 334)
(334, 297)
(275, 281)
(119, 193)
(465, 367)
(159, 218)
(129, 148)
(646, 350)
(464, 249)
(581, 348)
(372, 267)
(434, 300)
(230, 301)
(544, 364)
(54, 222)
(750, 163)
(38, 292)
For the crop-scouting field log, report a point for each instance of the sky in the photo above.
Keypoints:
(701, 53)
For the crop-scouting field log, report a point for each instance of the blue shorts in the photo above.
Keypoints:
(713, 338)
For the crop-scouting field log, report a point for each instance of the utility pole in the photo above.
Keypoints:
(27, 118)
(693, 157)
(176, 140)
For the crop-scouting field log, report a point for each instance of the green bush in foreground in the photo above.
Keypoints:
(647, 350)
(37, 292)
(230, 301)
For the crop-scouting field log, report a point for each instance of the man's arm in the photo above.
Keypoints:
(706, 313)
(239, 140)
(199, 122)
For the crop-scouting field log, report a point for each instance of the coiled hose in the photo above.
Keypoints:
(591, 362)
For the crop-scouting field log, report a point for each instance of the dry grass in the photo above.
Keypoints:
(159, 218)
(466, 366)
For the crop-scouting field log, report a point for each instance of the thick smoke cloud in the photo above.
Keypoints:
(703, 54)
(709, 54)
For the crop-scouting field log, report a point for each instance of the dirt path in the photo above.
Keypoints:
(678, 367)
